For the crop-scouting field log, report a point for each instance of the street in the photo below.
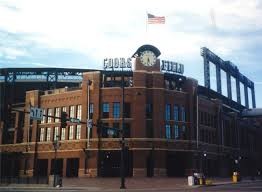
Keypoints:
(245, 186)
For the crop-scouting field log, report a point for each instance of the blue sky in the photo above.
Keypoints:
(80, 34)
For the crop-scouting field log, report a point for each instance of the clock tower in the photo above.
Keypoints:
(146, 58)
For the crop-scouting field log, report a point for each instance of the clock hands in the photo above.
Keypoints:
(148, 58)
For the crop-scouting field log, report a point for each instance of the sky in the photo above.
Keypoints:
(81, 33)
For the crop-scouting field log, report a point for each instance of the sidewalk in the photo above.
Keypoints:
(132, 184)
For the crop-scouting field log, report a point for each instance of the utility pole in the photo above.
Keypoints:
(122, 168)
(56, 145)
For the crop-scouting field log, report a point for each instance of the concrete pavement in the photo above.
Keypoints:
(113, 184)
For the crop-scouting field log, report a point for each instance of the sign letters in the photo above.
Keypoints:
(170, 66)
(117, 63)
(36, 113)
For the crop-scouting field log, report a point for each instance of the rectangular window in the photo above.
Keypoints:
(183, 114)
(49, 113)
(64, 109)
(79, 112)
(63, 130)
(149, 110)
(168, 112)
(42, 134)
(56, 134)
(175, 112)
(127, 132)
(176, 132)
(149, 129)
(72, 111)
(116, 110)
(91, 110)
(44, 117)
(78, 131)
(168, 132)
(127, 110)
(104, 130)
(48, 134)
(116, 133)
(105, 110)
(183, 132)
(71, 132)
(57, 114)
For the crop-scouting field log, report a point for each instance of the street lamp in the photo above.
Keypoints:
(122, 167)
(56, 145)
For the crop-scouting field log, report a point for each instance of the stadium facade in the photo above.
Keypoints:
(172, 125)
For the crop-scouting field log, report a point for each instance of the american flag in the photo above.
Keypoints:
(152, 19)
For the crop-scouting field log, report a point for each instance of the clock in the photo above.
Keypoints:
(148, 58)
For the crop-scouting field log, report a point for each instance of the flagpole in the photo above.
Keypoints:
(146, 21)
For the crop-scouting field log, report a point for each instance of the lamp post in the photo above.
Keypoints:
(205, 171)
(122, 167)
(88, 126)
(56, 145)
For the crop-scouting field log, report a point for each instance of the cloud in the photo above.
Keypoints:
(72, 33)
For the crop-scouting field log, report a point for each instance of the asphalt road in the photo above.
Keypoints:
(251, 186)
(248, 187)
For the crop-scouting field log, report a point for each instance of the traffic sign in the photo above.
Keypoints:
(36, 113)
(74, 120)
(89, 123)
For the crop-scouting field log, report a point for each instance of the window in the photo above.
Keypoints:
(149, 110)
(176, 132)
(72, 111)
(149, 129)
(116, 133)
(183, 132)
(127, 110)
(104, 131)
(44, 117)
(78, 131)
(42, 134)
(168, 132)
(48, 134)
(49, 112)
(63, 133)
(79, 112)
(166, 84)
(105, 110)
(64, 109)
(168, 112)
(56, 133)
(183, 114)
(116, 110)
(127, 132)
(91, 110)
(175, 112)
(71, 132)
(57, 114)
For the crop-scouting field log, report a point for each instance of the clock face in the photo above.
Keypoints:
(148, 58)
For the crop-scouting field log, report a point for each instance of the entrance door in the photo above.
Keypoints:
(42, 167)
(58, 167)
(110, 162)
(150, 165)
(176, 164)
(72, 166)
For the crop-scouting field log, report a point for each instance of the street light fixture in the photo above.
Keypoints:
(56, 145)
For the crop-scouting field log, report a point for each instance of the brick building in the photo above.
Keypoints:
(172, 127)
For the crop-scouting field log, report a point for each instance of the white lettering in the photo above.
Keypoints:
(174, 67)
(116, 63)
